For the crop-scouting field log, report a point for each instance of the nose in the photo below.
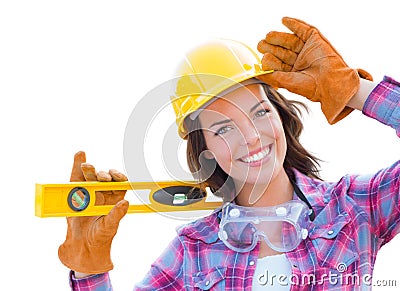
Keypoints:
(249, 132)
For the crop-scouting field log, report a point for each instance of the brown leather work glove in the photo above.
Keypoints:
(306, 63)
(88, 243)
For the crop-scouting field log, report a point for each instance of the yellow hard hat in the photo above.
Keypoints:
(207, 71)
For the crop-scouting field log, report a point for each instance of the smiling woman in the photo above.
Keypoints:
(245, 135)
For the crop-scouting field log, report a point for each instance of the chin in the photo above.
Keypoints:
(256, 177)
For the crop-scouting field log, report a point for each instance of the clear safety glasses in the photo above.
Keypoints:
(282, 227)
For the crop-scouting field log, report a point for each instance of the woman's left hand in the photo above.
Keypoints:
(306, 63)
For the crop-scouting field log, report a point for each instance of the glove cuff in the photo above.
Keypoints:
(83, 260)
(364, 74)
(336, 111)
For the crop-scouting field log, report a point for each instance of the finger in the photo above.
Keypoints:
(299, 27)
(76, 173)
(286, 56)
(117, 194)
(89, 172)
(270, 62)
(112, 197)
(289, 41)
(103, 176)
(117, 176)
(261, 46)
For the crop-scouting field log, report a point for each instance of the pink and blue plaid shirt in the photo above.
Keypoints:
(354, 218)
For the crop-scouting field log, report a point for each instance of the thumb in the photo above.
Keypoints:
(116, 214)
(76, 173)
(105, 227)
(294, 82)
(302, 29)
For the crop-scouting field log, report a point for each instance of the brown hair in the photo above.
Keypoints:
(296, 156)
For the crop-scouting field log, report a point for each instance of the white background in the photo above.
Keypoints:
(72, 71)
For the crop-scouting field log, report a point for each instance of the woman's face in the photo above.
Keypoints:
(245, 135)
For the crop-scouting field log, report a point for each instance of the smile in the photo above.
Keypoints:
(257, 156)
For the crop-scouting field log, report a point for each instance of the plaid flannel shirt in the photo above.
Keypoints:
(354, 218)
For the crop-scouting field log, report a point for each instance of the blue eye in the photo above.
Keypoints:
(261, 112)
(223, 130)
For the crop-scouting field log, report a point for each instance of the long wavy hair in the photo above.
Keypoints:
(219, 182)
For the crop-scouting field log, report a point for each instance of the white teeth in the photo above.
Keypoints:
(258, 156)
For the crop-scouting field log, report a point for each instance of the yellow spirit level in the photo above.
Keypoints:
(79, 198)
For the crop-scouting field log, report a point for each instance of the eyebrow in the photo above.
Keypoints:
(220, 122)
(258, 104)
(229, 120)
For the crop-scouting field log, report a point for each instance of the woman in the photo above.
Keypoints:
(281, 227)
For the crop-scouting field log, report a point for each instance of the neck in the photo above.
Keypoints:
(278, 190)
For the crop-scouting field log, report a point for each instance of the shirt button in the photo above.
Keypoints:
(251, 263)
(330, 232)
(207, 283)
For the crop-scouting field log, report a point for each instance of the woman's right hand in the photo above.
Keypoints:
(86, 249)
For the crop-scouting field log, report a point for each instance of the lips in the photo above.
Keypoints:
(257, 156)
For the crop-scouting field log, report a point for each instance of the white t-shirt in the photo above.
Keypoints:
(272, 273)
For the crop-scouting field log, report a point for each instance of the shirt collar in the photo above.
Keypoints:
(206, 229)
